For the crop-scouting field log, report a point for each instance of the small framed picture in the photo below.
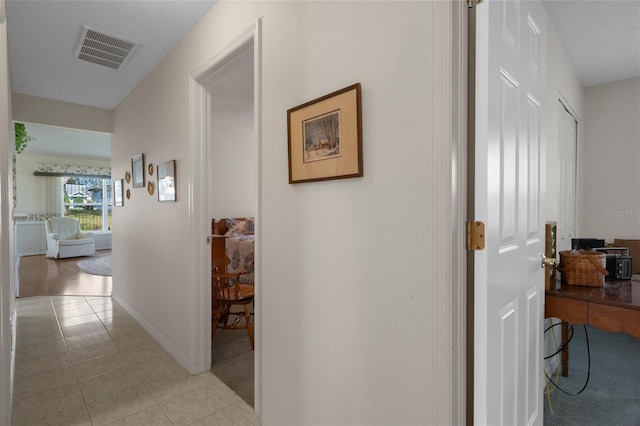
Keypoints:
(137, 171)
(325, 137)
(167, 181)
(118, 199)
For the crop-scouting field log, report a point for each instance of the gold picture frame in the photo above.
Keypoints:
(325, 137)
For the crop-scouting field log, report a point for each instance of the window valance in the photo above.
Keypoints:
(69, 170)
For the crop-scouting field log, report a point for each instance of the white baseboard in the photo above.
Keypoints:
(551, 365)
(182, 359)
(551, 346)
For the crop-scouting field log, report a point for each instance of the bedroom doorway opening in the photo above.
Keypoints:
(225, 111)
(233, 194)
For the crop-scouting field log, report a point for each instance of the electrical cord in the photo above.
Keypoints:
(548, 391)
(561, 348)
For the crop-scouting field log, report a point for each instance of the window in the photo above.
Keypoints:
(89, 201)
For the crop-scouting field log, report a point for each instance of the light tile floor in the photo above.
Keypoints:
(85, 361)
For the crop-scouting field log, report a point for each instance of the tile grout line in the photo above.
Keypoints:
(133, 368)
(75, 374)
(108, 310)
(142, 380)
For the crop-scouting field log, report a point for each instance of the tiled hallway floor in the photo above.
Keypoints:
(85, 361)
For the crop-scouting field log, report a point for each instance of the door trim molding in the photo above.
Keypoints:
(459, 209)
(448, 128)
(7, 259)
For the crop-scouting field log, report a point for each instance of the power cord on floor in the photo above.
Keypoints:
(560, 349)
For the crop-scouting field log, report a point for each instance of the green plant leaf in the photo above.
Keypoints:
(22, 138)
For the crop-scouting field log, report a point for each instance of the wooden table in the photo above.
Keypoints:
(614, 307)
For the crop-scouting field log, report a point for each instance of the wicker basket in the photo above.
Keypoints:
(581, 267)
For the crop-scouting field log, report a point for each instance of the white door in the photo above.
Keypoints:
(509, 282)
(567, 154)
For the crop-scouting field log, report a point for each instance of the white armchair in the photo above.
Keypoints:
(64, 238)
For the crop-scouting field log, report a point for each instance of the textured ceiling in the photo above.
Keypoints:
(42, 38)
(602, 38)
(43, 35)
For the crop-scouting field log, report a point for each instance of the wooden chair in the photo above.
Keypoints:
(227, 292)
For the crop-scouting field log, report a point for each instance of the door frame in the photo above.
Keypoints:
(7, 255)
(449, 97)
(462, 295)
(199, 188)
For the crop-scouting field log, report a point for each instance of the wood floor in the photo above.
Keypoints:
(43, 276)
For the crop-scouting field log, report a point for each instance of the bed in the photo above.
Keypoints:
(234, 238)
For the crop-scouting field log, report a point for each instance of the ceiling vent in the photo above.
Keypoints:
(104, 49)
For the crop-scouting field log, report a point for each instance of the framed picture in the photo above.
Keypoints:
(137, 171)
(325, 137)
(167, 181)
(118, 200)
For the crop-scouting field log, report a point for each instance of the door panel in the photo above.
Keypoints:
(509, 149)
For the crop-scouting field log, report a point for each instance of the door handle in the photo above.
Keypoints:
(547, 261)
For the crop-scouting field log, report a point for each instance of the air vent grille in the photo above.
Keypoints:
(104, 49)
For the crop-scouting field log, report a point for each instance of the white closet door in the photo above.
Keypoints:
(567, 153)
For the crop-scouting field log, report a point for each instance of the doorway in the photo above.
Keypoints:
(225, 142)
(233, 156)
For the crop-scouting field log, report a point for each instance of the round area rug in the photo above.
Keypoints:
(97, 265)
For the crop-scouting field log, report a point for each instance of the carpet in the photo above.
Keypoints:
(232, 362)
(612, 395)
(97, 265)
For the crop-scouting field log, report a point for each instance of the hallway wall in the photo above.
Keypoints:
(345, 314)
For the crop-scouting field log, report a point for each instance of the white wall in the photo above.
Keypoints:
(32, 191)
(562, 83)
(31, 109)
(610, 206)
(235, 177)
(234, 154)
(344, 333)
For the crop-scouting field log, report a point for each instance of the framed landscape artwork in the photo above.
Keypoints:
(325, 137)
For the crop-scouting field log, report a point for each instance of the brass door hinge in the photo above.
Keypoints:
(475, 235)
(473, 3)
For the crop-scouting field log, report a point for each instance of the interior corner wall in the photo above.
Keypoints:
(562, 81)
(343, 263)
(610, 206)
